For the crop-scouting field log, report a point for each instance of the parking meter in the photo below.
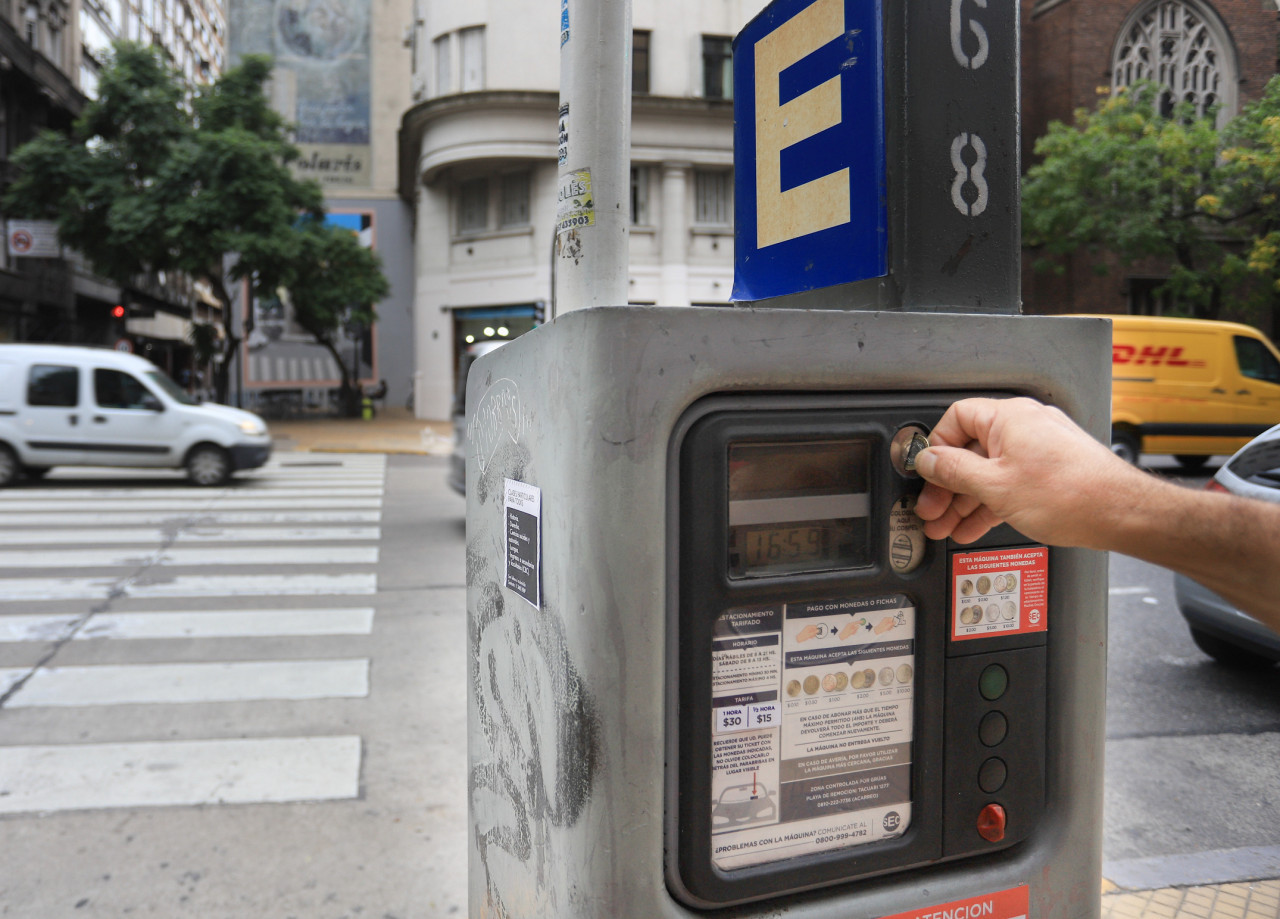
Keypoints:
(714, 663)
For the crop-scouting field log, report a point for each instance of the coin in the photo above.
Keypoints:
(829, 683)
(793, 688)
(886, 676)
(810, 685)
(858, 680)
(993, 613)
(966, 587)
(1009, 610)
(984, 585)
(904, 673)
(842, 680)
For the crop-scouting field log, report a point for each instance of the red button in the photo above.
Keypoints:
(991, 823)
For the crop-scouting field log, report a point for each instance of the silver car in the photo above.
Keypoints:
(1217, 627)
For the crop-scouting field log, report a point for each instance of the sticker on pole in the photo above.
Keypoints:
(1014, 903)
(575, 206)
(812, 727)
(999, 592)
(523, 506)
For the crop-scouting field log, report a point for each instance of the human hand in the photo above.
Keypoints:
(1015, 461)
(850, 628)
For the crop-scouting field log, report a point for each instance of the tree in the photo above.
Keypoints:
(338, 280)
(1135, 183)
(151, 183)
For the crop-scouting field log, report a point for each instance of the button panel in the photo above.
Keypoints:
(995, 749)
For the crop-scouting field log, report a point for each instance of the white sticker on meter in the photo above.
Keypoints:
(906, 536)
(811, 727)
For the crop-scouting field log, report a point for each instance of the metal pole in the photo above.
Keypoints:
(593, 212)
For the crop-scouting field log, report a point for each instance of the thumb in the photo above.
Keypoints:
(957, 469)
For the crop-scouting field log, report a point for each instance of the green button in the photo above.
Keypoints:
(993, 682)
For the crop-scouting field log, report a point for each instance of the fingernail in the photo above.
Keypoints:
(926, 462)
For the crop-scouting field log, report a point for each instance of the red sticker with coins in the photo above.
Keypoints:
(999, 592)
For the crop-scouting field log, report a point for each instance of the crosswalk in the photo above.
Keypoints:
(102, 578)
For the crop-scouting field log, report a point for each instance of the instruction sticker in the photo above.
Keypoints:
(999, 592)
(523, 506)
(812, 708)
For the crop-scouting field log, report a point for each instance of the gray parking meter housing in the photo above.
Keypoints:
(576, 739)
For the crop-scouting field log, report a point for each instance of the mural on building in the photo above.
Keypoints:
(279, 355)
(321, 81)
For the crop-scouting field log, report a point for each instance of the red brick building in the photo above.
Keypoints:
(1075, 52)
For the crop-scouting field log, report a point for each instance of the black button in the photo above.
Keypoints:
(992, 775)
(993, 681)
(993, 729)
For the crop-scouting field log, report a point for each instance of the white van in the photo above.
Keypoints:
(70, 406)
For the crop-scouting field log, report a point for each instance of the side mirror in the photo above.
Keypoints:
(151, 403)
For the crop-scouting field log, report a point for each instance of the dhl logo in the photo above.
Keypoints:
(1151, 356)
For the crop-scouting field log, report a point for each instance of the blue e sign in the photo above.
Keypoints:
(809, 149)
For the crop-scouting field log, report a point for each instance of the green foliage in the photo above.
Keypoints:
(151, 181)
(1129, 181)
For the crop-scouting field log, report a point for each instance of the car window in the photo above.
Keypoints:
(50, 384)
(117, 389)
(1256, 360)
(165, 382)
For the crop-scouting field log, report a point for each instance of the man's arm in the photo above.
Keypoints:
(1020, 462)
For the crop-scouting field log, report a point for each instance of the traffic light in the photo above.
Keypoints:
(118, 311)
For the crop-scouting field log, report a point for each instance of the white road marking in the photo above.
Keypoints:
(241, 502)
(197, 516)
(287, 585)
(135, 536)
(235, 681)
(249, 623)
(184, 772)
(195, 556)
(56, 496)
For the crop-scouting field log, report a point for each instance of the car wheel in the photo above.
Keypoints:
(35, 473)
(208, 464)
(1224, 652)
(1191, 463)
(1125, 445)
(9, 467)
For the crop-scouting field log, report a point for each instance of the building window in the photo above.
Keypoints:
(444, 64)
(717, 67)
(639, 62)
(1147, 298)
(640, 196)
(31, 15)
(713, 198)
(472, 42)
(1182, 47)
(515, 200)
(473, 206)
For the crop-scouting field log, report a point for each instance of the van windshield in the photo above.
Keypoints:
(172, 389)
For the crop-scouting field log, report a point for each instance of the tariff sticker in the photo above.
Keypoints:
(1014, 903)
(999, 592)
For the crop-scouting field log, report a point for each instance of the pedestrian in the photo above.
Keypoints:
(1016, 461)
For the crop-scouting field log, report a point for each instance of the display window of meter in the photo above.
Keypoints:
(849, 698)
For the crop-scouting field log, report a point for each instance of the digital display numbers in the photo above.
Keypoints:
(797, 507)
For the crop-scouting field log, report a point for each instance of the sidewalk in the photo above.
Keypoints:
(392, 430)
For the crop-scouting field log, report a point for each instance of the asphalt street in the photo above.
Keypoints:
(1193, 747)
(164, 754)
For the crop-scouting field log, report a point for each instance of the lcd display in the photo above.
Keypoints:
(796, 507)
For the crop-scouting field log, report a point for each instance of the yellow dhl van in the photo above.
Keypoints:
(1190, 387)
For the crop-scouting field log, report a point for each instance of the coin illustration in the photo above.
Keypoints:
(904, 673)
(966, 587)
(1010, 582)
(810, 685)
(842, 681)
(886, 676)
(868, 678)
(829, 683)
(793, 688)
(993, 613)
(858, 680)
(1010, 609)
(984, 585)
